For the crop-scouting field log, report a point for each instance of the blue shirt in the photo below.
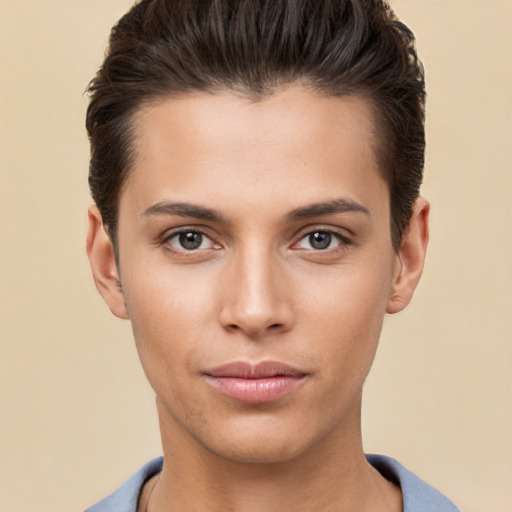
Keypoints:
(418, 496)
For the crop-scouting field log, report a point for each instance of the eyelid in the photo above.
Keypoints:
(341, 234)
(171, 233)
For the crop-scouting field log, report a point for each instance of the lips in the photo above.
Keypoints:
(263, 382)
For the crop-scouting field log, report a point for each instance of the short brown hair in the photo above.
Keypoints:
(161, 48)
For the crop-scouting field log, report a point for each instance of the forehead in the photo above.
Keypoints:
(294, 146)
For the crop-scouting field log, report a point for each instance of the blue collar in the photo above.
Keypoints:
(418, 496)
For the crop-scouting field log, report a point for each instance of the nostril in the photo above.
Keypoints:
(254, 331)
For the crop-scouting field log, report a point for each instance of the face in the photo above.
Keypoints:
(256, 267)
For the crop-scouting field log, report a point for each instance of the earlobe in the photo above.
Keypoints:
(103, 265)
(410, 258)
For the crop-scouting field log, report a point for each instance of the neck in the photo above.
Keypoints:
(333, 475)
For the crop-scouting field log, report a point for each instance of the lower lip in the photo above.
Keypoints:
(255, 391)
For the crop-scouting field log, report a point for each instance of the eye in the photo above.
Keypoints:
(190, 240)
(321, 241)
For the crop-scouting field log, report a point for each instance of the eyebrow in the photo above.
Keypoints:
(183, 210)
(326, 208)
(201, 212)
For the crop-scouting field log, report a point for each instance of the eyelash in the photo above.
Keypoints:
(166, 241)
(343, 241)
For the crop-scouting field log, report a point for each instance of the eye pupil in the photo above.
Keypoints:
(191, 240)
(320, 240)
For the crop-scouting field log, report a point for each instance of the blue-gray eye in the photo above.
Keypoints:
(320, 241)
(190, 240)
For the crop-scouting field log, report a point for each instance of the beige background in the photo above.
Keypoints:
(77, 416)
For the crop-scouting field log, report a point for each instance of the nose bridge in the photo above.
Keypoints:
(255, 301)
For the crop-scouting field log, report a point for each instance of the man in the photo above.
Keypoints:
(255, 168)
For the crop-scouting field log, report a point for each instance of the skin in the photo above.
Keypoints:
(255, 290)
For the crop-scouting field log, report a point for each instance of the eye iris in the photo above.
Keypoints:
(190, 240)
(320, 240)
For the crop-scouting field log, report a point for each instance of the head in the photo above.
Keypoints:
(163, 49)
(255, 166)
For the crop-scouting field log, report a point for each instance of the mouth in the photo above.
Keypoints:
(255, 383)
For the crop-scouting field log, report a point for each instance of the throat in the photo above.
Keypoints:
(268, 487)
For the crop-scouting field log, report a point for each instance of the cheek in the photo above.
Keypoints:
(170, 313)
(165, 300)
(346, 313)
(349, 349)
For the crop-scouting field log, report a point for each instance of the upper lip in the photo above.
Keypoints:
(265, 369)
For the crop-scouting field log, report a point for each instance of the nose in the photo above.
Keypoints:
(256, 295)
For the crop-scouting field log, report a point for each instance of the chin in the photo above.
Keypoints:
(250, 445)
(257, 453)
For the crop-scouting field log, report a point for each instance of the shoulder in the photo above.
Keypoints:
(126, 497)
(418, 496)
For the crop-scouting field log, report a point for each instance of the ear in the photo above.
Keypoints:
(410, 258)
(103, 264)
